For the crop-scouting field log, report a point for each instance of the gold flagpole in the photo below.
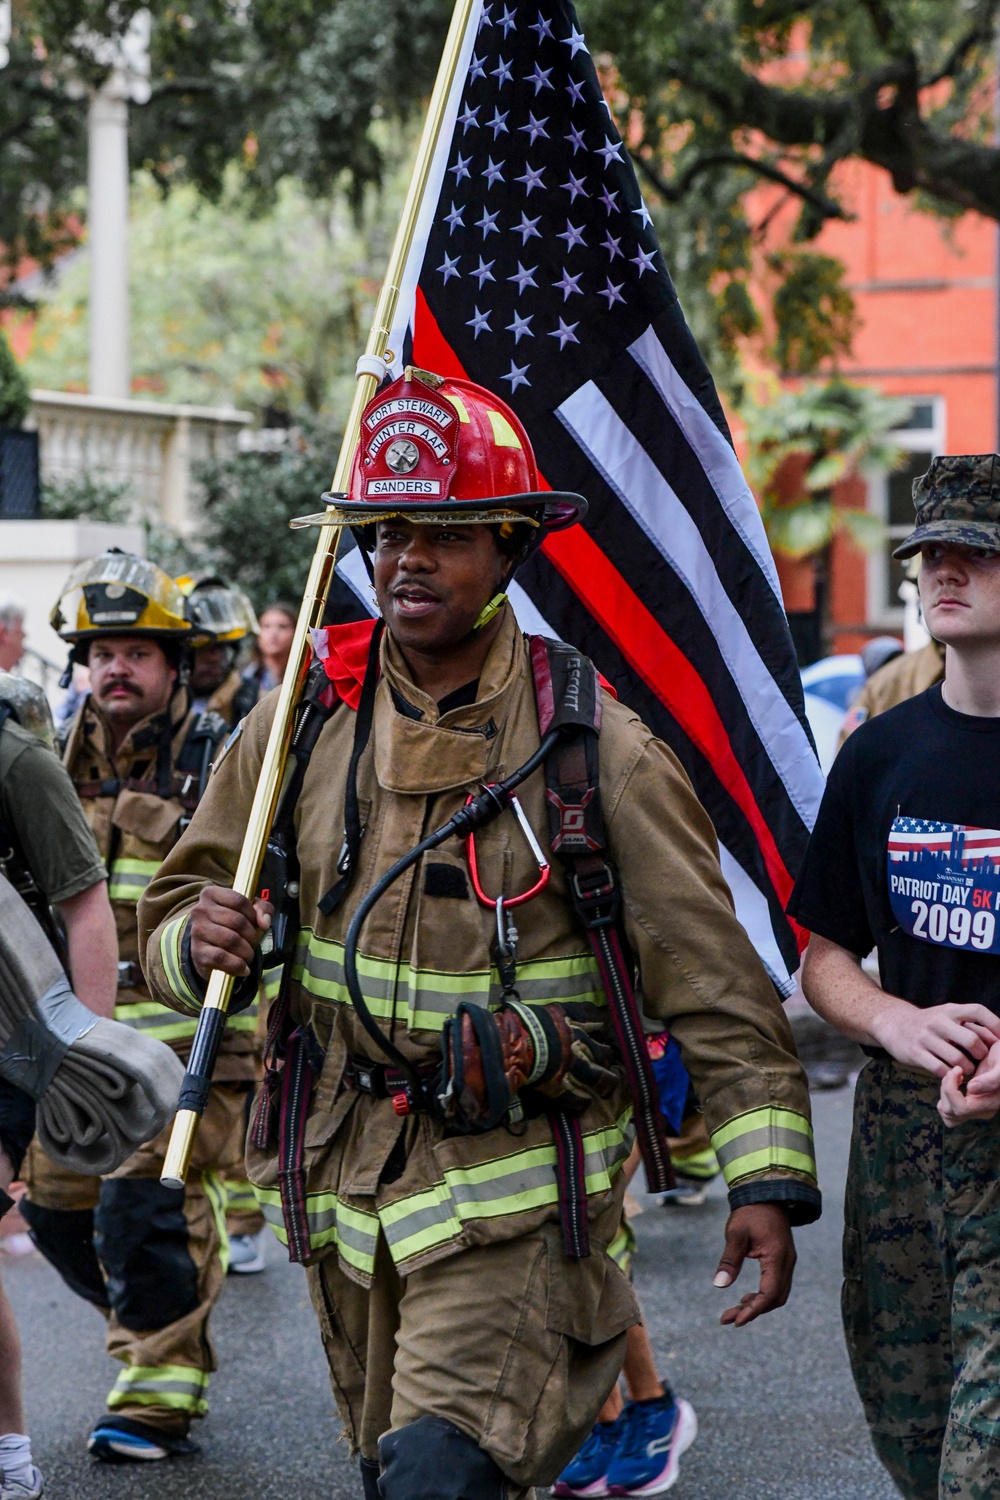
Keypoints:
(220, 985)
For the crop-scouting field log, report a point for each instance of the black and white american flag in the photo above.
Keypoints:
(536, 272)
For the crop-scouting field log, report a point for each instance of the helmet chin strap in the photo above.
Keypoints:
(490, 611)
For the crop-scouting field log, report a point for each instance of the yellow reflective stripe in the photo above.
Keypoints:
(156, 1020)
(762, 1139)
(622, 1247)
(170, 957)
(180, 1387)
(703, 1163)
(245, 1020)
(512, 1184)
(215, 1192)
(128, 878)
(240, 1197)
(270, 983)
(424, 998)
(331, 1222)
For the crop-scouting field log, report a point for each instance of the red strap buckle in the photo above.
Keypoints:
(401, 1102)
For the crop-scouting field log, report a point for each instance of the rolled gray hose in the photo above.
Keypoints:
(102, 1088)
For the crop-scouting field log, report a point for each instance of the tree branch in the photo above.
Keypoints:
(981, 30)
(673, 192)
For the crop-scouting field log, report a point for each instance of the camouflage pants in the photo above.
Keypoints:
(921, 1296)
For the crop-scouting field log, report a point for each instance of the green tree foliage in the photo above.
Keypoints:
(15, 396)
(229, 307)
(804, 442)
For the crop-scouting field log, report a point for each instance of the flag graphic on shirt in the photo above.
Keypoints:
(535, 271)
(944, 883)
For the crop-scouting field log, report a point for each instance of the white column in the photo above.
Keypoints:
(107, 227)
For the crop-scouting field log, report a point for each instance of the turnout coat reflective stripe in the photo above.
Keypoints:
(134, 830)
(433, 1194)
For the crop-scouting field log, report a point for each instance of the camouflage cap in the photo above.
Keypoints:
(957, 500)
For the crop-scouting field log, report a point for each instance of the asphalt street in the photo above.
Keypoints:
(778, 1415)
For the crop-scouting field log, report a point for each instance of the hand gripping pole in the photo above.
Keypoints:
(212, 1021)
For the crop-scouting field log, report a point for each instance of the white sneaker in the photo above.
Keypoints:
(16, 1489)
(246, 1257)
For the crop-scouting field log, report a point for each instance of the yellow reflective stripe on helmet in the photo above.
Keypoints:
(354, 1232)
(424, 998)
(156, 1020)
(762, 1139)
(180, 1387)
(128, 878)
(511, 1184)
(170, 957)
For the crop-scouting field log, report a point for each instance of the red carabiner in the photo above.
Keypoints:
(544, 870)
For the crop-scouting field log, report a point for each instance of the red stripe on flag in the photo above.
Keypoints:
(639, 636)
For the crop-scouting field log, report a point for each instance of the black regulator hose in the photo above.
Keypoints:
(489, 804)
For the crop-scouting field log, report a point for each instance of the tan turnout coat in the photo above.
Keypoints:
(421, 953)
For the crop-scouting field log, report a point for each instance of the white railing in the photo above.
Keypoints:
(153, 447)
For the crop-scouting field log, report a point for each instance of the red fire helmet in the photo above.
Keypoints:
(433, 448)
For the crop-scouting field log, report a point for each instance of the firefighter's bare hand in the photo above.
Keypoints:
(759, 1231)
(225, 931)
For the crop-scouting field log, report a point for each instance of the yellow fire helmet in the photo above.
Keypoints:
(218, 610)
(120, 594)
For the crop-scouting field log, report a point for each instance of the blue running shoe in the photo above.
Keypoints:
(587, 1474)
(654, 1435)
(125, 1440)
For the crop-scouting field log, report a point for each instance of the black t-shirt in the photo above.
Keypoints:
(905, 855)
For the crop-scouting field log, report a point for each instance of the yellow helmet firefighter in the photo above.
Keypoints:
(221, 610)
(118, 593)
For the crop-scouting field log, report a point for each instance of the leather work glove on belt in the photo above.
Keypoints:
(491, 1057)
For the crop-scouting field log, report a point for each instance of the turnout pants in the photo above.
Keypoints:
(921, 1277)
(512, 1343)
(153, 1258)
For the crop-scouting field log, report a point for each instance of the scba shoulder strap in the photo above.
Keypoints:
(568, 695)
(186, 781)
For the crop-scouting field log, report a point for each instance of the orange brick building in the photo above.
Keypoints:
(926, 294)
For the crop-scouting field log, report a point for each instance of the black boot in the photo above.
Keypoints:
(432, 1459)
(369, 1479)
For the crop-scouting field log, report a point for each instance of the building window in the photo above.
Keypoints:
(891, 497)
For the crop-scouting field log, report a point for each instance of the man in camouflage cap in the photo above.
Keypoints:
(905, 857)
(958, 502)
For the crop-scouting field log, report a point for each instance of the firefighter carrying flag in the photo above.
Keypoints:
(478, 848)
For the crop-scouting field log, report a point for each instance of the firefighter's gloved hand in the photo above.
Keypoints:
(491, 1057)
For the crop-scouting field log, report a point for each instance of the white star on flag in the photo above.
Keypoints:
(575, 92)
(568, 284)
(498, 122)
(493, 173)
(610, 201)
(540, 78)
(480, 322)
(520, 327)
(522, 277)
(612, 292)
(535, 128)
(447, 268)
(572, 235)
(565, 333)
(610, 151)
(574, 186)
(645, 260)
(461, 168)
(518, 375)
(454, 219)
(488, 223)
(507, 20)
(532, 177)
(476, 69)
(467, 119)
(543, 28)
(503, 72)
(483, 272)
(526, 229)
(576, 139)
(644, 215)
(575, 42)
(611, 245)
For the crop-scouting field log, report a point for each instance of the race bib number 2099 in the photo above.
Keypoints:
(944, 883)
